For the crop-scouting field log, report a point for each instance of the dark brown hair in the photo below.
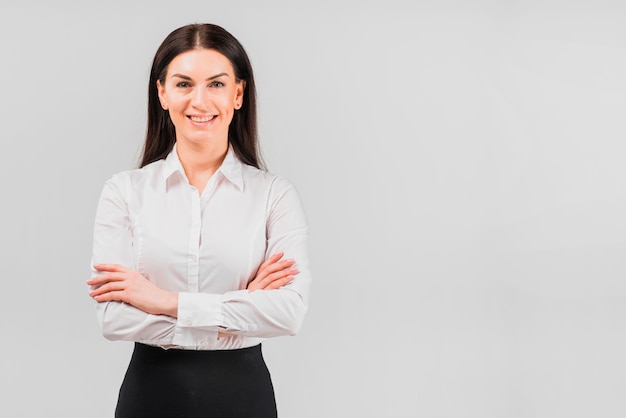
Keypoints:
(242, 133)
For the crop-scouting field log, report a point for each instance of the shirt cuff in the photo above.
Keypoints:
(199, 310)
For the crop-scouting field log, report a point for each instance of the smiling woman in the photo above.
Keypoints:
(199, 255)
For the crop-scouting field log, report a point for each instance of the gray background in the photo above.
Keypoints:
(462, 167)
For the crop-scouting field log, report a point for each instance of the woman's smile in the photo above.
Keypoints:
(201, 119)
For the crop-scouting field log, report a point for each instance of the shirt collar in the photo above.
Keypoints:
(231, 167)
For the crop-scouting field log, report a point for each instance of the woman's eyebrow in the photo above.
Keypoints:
(185, 77)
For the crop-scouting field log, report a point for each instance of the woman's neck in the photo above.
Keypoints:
(200, 162)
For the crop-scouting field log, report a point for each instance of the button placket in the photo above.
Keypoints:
(194, 243)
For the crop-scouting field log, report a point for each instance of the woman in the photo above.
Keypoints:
(199, 255)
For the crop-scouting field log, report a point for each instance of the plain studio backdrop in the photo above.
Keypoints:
(462, 168)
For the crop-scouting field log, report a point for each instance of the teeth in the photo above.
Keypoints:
(201, 119)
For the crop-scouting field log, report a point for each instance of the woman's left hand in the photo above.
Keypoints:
(119, 283)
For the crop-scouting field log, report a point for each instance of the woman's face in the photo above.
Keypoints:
(201, 94)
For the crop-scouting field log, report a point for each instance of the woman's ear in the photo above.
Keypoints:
(241, 86)
(162, 96)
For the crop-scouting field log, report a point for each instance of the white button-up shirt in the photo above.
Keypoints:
(206, 248)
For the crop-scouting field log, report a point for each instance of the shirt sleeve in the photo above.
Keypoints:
(113, 243)
(262, 313)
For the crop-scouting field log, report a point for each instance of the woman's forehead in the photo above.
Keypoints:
(200, 63)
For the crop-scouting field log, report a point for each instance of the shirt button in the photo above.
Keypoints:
(193, 258)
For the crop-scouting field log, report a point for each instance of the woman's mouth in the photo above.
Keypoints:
(202, 119)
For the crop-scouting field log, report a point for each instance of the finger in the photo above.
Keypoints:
(107, 288)
(270, 285)
(105, 278)
(276, 284)
(277, 276)
(110, 267)
(274, 258)
(110, 297)
(277, 256)
(274, 267)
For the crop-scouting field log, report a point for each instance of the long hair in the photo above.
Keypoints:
(242, 132)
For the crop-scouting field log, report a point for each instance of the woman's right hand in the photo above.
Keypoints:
(273, 274)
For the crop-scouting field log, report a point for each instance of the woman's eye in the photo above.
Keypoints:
(217, 84)
(182, 84)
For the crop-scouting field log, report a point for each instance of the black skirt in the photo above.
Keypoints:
(188, 384)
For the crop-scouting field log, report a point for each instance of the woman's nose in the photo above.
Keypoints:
(201, 97)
